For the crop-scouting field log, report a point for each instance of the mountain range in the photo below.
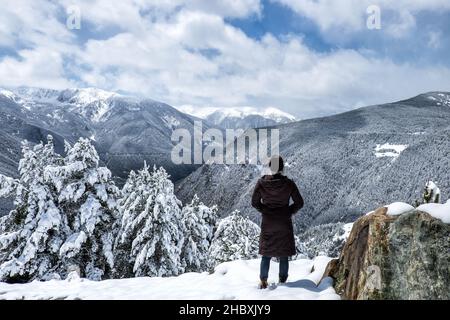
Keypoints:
(125, 130)
(344, 164)
(240, 118)
(347, 164)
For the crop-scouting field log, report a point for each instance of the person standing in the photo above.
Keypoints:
(271, 197)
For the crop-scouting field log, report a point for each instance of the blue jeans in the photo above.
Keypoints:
(265, 265)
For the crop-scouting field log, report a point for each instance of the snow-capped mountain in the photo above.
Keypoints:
(345, 164)
(240, 118)
(126, 130)
(91, 103)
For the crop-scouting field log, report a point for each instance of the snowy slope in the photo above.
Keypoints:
(231, 280)
(345, 164)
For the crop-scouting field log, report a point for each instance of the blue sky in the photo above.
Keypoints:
(306, 57)
(280, 20)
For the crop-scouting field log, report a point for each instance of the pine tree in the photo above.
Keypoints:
(33, 232)
(87, 195)
(138, 189)
(151, 232)
(198, 222)
(236, 238)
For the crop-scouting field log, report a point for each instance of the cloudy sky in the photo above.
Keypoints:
(306, 57)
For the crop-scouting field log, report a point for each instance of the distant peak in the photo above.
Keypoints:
(85, 95)
(238, 112)
(272, 112)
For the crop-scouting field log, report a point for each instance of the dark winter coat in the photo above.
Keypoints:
(271, 197)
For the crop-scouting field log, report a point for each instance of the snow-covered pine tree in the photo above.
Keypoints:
(431, 193)
(151, 232)
(236, 237)
(87, 195)
(8, 188)
(33, 232)
(137, 191)
(199, 223)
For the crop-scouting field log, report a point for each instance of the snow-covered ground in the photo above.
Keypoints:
(389, 150)
(231, 280)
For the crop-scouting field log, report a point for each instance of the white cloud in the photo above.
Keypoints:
(30, 22)
(350, 15)
(38, 67)
(329, 14)
(189, 55)
(128, 14)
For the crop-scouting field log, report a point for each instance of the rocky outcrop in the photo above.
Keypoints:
(394, 257)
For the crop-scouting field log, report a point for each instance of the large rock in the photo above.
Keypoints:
(401, 257)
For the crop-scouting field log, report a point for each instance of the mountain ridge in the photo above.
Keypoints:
(127, 130)
(344, 164)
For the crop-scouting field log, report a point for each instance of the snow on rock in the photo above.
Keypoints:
(389, 150)
(398, 208)
(231, 280)
(437, 210)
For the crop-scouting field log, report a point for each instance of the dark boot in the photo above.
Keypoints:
(263, 284)
(282, 279)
